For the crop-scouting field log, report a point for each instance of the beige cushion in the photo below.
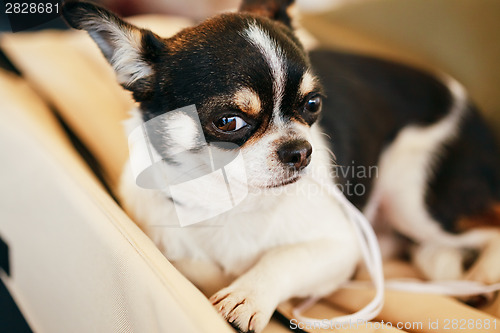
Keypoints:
(78, 263)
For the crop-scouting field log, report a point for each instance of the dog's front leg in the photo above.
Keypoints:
(299, 270)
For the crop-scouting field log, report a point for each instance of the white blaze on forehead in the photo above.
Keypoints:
(307, 84)
(274, 57)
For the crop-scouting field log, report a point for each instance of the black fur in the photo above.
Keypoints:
(195, 70)
(466, 182)
(368, 101)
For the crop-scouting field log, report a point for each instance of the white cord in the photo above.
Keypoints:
(371, 255)
(455, 288)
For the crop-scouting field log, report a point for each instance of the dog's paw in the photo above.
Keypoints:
(242, 309)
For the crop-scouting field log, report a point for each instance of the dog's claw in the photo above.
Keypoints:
(241, 310)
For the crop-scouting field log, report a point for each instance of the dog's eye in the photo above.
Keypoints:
(230, 124)
(313, 104)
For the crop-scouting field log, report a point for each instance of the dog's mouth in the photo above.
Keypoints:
(284, 182)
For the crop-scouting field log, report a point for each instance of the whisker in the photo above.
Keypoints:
(326, 134)
(333, 158)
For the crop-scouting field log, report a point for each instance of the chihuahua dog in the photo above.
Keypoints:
(254, 86)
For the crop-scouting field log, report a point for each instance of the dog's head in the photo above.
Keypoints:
(246, 72)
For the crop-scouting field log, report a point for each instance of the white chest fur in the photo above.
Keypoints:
(237, 238)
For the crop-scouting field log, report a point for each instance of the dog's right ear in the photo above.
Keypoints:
(278, 10)
(131, 51)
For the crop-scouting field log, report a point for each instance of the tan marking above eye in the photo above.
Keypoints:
(248, 101)
(308, 83)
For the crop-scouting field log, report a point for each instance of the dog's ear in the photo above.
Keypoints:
(131, 51)
(279, 10)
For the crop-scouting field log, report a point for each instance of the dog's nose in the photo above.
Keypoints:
(296, 154)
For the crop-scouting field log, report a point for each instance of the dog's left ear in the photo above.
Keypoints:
(279, 10)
